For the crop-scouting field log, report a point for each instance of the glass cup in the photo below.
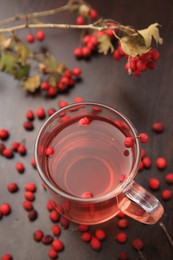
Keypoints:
(86, 168)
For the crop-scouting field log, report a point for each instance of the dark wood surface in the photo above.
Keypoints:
(144, 100)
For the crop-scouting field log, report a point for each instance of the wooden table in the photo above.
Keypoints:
(144, 100)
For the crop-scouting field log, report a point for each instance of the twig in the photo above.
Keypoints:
(166, 233)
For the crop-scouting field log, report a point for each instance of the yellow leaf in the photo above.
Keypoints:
(22, 52)
(105, 44)
(5, 43)
(151, 32)
(32, 83)
(133, 45)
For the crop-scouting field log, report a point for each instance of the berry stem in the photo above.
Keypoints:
(166, 233)
(141, 255)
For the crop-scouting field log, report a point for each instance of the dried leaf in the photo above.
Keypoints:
(5, 43)
(105, 44)
(49, 62)
(52, 80)
(151, 32)
(133, 45)
(23, 52)
(60, 68)
(32, 83)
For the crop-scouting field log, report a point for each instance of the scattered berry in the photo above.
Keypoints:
(20, 167)
(121, 237)
(64, 222)
(95, 243)
(52, 254)
(2, 147)
(28, 125)
(7, 257)
(62, 103)
(29, 196)
(12, 187)
(158, 127)
(33, 163)
(137, 244)
(51, 111)
(57, 245)
(4, 134)
(83, 227)
(161, 163)
(120, 215)
(56, 230)
(50, 205)
(78, 100)
(154, 183)
(123, 256)
(47, 239)
(40, 112)
(5, 209)
(84, 121)
(27, 205)
(30, 115)
(7, 152)
(15, 146)
(30, 187)
(166, 194)
(100, 234)
(38, 235)
(146, 162)
(32, 215)
(54, 216)
(169, 178)
(21, 149)
(143, 138)
(122, 223)
(86, 236)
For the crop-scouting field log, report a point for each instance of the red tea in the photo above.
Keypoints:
(88, 158)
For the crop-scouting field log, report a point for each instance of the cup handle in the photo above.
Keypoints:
(140, 204)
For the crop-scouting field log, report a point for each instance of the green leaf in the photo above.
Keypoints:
(105, 44)
(50, 62)
(22, 52)
(32, 83)
(22, 72)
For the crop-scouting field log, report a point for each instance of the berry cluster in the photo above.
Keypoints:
(138, 64)
(40, 36)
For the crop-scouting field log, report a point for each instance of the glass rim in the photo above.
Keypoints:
(109, 195)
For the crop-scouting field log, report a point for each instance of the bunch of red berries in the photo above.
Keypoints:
(138, 64)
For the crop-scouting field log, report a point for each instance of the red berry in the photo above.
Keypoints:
(40, 35)
(52, 254)
(29, 196)
(5, 209)
(121, 237)
(78, 52)
(20, 167)
(52, 91)
(30, 187)
(80, 20)
(8, 153)
(47, 239)
(51, 111)
(64, 222)
(86, 236)
(7, 257)
(44, 85)
(4, 134)
(100, 234)
(158, 127)
(57, 245)
(93, 13)
(21, 149)
(83, 227)
(129, 142)
(117, 55)
(166, 194)
(54, 216)
(56, 230)
(154, 54)
(32, 215)
(154, 183)
(12, 187)
(28, 125)
(169, 178)
(122, 178)
(87, 195)
(120, 215)
(143, 138)
(62, 103)
(95, 243)
(123, 256)
(15, 146)
(143, 153)
(30, 115)
(137, 244)
(136, 72)
(76, 72)
(84, 121)
(122, 223)
(30, 38)
(27, 205)
(146, 162)
(40, 112)
(78, 100)
(49, 151)
(86, 51)
(50, 205)
(38, 235)
(141, 65)
(161, 163)
(33, 163)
